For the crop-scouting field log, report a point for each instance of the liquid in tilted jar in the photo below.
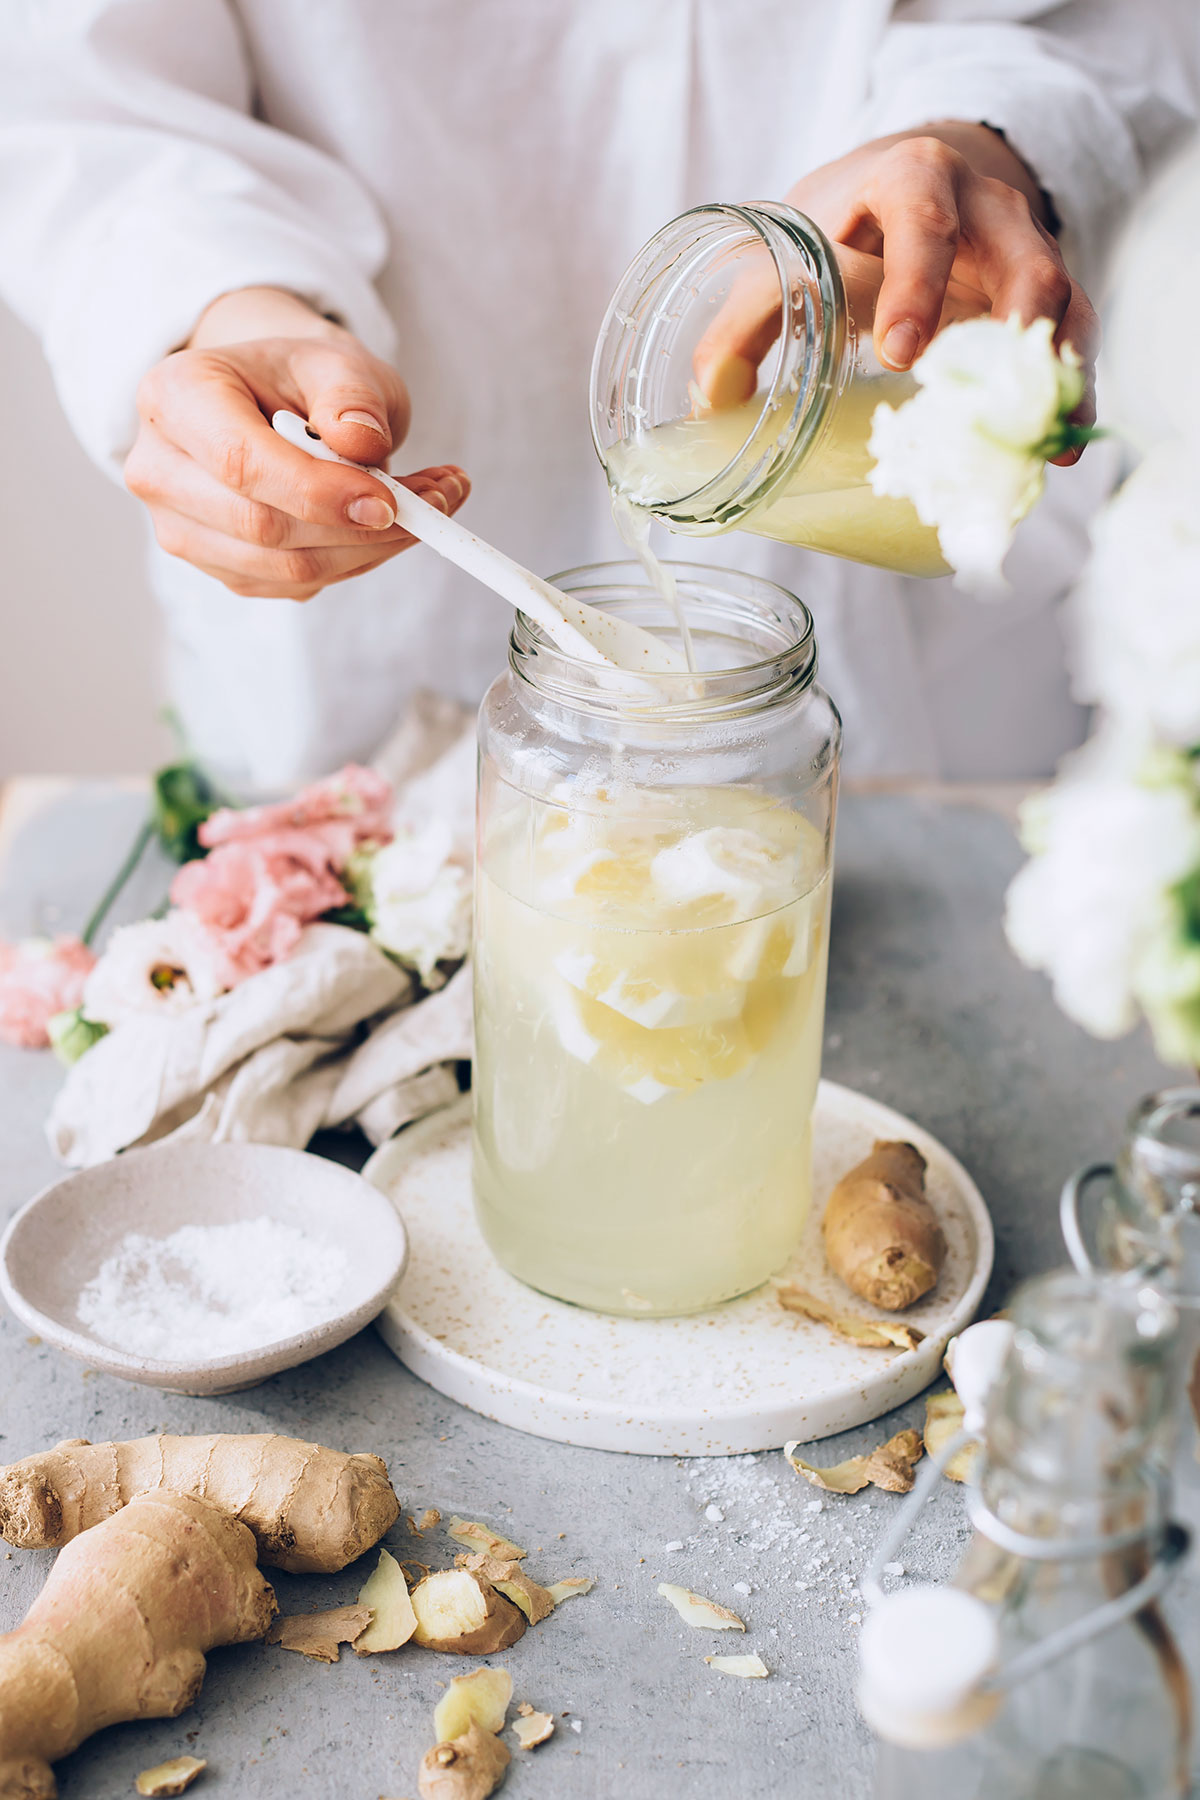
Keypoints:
(650, 946)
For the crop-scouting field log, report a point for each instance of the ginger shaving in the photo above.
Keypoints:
(481, 1698)
(393, 1620)
(872, 1334)
(693, 1609)
(532, 1728)
(943, 1417)
(479, 1538)
(428, 1521)
(574, 1584)
(170, 1777)
(509, 1579)
(750, 1667)
(469, 1767)
(890, 1466)
(319, 1634)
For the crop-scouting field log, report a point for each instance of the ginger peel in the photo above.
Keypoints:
(170, 1777)
(311, 1510)
(121, 1628)
(882, 1237)
(320, 1634)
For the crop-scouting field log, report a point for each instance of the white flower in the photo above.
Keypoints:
(418, 898)
(1093, 907)
(1137, 607)
(157, 966)
(969, 449)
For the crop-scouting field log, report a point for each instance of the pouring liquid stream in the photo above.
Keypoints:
(633, 524)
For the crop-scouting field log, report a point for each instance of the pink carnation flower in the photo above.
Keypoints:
(253, 898)
(39, 978)
(342, 811)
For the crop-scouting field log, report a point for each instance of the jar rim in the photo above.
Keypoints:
(781, 673)
(792, 410)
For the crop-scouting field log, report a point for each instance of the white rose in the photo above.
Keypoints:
(1093, 905)
(418, 899)
(1137, 608)
(969, 448)
(157, 966)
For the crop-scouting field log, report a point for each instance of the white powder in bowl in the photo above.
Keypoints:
(211, 1290)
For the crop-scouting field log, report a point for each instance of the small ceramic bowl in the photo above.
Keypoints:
(56, 1244)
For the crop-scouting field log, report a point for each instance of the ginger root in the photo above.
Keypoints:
(311, 1510)
(469, 1767)
(120, 1630)
(881, 1235)
(458, 1610)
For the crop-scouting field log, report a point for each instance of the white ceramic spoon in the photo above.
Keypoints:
(583, 631)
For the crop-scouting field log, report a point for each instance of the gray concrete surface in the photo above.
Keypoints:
(928, 1012)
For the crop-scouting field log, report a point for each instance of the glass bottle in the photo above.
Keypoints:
(785, 453)
(1047, 1671)
(651, 932)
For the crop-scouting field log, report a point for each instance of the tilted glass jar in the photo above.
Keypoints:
(790, 459)
(651, 933)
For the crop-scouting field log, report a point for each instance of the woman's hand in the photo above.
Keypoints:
(226, 493)
(951, 200)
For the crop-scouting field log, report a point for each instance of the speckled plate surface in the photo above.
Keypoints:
(746, 1376)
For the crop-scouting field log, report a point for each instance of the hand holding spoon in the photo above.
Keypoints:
(578, 629)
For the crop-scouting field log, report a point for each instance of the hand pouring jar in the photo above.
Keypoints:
(650, 949)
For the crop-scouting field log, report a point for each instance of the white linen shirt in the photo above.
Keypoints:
(463, 184)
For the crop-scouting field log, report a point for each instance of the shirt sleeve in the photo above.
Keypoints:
(1088, 93)
(136, 186)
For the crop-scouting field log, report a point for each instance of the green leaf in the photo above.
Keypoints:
(71, 1035)
(1066, 436)
(353, 916)
(182, 797)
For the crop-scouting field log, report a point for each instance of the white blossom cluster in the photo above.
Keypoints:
(1109, 904)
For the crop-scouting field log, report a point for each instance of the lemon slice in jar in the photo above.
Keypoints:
(648, 1065)
(727, 862)
(671, 996)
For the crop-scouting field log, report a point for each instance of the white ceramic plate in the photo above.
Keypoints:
(746, 1376)
(58, 1241)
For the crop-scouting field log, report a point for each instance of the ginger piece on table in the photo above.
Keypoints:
(751, 1668)
(872, 1334)
(320, 1634)
(458, 1610)
(532, 1729)
(566, 1590)
(890, 1466)
(480, 1538)
(695, 1610)
(170, 1777)
(509, 1579)
(469, 1767)
(943, 1417)
(481, 1698)
(882, 1237)
(393, 1620)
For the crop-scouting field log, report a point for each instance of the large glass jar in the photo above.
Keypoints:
(651, 933)
(776, 443)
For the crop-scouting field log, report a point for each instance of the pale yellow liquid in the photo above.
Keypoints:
(645, 1069)
(826, 504)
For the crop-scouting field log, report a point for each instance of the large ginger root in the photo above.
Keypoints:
(120, 1630)
(881, 1235)
(311, 1510)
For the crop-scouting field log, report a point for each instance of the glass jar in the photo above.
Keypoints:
(651, 930)
(783, 451)
(1048, 1670)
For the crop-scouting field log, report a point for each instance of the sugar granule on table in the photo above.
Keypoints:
(211, 1290)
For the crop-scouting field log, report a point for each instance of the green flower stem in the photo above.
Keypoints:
(133, 858)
